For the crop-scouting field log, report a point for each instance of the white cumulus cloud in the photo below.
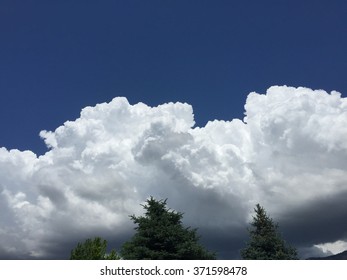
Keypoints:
(289, 154)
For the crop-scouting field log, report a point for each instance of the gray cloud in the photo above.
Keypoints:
(288, 154)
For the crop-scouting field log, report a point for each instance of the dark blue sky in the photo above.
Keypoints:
(57, 57)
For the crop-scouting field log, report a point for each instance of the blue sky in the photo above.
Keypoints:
(60, 56)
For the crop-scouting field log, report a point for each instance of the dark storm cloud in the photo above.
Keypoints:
(318, 221)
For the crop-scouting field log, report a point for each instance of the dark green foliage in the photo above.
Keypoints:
(265, 241)
(92, 250)
(161, 236)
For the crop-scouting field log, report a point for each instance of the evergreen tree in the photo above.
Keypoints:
(265, 241)
(161, 236)
(92, 250)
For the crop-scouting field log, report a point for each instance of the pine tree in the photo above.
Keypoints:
(265, 241)
(93, 250)
(160, 235)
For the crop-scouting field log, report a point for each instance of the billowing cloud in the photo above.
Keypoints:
(289, 154)
(333, 247)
